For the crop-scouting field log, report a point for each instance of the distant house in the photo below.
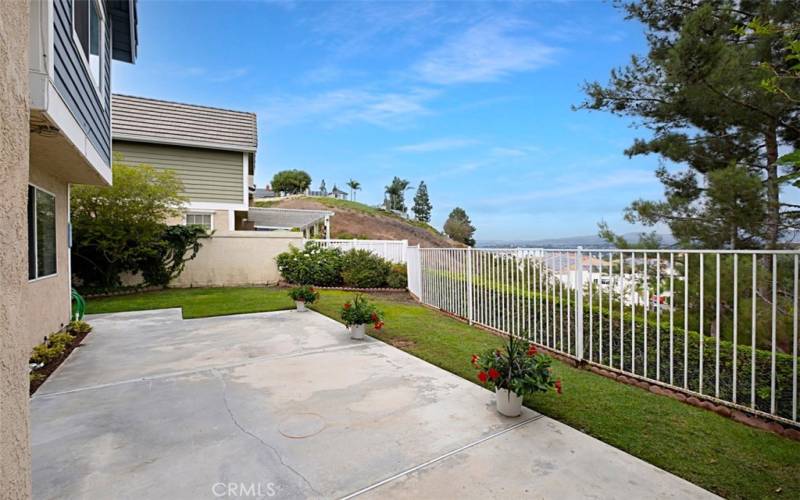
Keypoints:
(338, 193)
(212, 150)
(323, 192)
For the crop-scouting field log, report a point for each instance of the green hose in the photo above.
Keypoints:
(78, 306)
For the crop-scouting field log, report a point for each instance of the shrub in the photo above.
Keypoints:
(79, 327)
(398, 276)
(364, 269)
(305, 294)
(51, 349)
(360, 311)
(311, 266)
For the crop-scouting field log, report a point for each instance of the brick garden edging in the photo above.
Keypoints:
(787, 431)
(350, 289)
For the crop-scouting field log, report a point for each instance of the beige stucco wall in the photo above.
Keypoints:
(14, 139)
(237, 259)
(47, 300)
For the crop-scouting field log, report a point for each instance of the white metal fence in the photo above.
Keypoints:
(718, 324)
(391, 250)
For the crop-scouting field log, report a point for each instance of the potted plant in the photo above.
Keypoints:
(357, 313)
(303, 295)
(514, 372)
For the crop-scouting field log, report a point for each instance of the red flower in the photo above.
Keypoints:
(475, 360)
(482, 377)
(558, 386)
(347, 305)
(379, 325)
(532, 350)
(373, 317)
(494, 374)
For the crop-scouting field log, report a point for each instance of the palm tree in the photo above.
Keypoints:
(354, 186)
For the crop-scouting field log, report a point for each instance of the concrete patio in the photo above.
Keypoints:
(285, 405)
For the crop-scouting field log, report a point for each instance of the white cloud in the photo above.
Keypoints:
(567, 186)
(444, 144)
(485, 52)
(348, 106)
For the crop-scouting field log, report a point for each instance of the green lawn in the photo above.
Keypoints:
(716, 453)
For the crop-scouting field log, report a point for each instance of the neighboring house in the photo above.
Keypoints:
(212, 150)
(264, 194)
(70, 49)
(312, 223)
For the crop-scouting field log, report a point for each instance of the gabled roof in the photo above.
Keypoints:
(141, 119)
(285, 218)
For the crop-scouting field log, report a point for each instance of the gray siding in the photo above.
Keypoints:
(74, 84)
(208, 175)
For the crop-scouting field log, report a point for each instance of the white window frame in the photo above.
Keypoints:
(199, 212)
(35, 239)
(99, 87)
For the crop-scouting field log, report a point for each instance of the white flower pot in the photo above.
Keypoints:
(357, 331)
(301, 306)
(508, 403)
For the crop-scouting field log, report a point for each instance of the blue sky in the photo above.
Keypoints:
(473, 98)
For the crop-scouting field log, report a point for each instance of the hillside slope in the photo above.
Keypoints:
(356, 220)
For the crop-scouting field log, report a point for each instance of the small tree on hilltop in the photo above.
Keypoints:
(422, 204)
(459, 228)
(291, 181)
(354, 186)
(396, 195)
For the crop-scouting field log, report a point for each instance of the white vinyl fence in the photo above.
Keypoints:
(722, 325)
(391, 250)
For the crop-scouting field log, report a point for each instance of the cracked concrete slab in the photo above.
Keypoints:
(286, 405)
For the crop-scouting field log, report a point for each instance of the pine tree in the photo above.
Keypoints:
(701, 91)
(422, 204)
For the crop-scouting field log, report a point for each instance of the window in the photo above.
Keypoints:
(41, 233)
(204, 220)
(89, 29)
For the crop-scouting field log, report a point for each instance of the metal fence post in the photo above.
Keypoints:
(469, 284)
(579, 303)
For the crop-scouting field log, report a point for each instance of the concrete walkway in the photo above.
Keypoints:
(285, 405)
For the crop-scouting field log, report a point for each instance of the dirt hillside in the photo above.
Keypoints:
(353, 219)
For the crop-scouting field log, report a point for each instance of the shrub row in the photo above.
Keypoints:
(314, 265)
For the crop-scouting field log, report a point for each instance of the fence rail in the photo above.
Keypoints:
(722, 325)
(391, 250)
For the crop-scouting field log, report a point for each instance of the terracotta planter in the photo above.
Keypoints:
(357, 331)
(508, 403)
(300, 305)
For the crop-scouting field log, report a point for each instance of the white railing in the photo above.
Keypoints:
(722, 325)
(391, 250)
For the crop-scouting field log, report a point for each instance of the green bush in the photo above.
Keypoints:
(79, 327)
(51, 349)
(311, 266)
(398, 276)
(364, 269)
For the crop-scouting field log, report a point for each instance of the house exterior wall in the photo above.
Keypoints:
(15, 457)
(209, 176)
(47, 300)
(75, 85)
(238, 259)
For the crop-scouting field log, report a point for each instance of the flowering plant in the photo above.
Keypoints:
(519, 368)
(304, 293)
(360, 311)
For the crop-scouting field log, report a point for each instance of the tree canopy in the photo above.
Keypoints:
(122, 228)
(291, 181)
(703, 90)
(422, 204)
(459, 228)
(396, 195)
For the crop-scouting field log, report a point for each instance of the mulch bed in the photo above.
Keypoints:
(50, 367)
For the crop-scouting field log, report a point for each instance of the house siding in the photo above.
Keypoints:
(208, 175)
(74, 84)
